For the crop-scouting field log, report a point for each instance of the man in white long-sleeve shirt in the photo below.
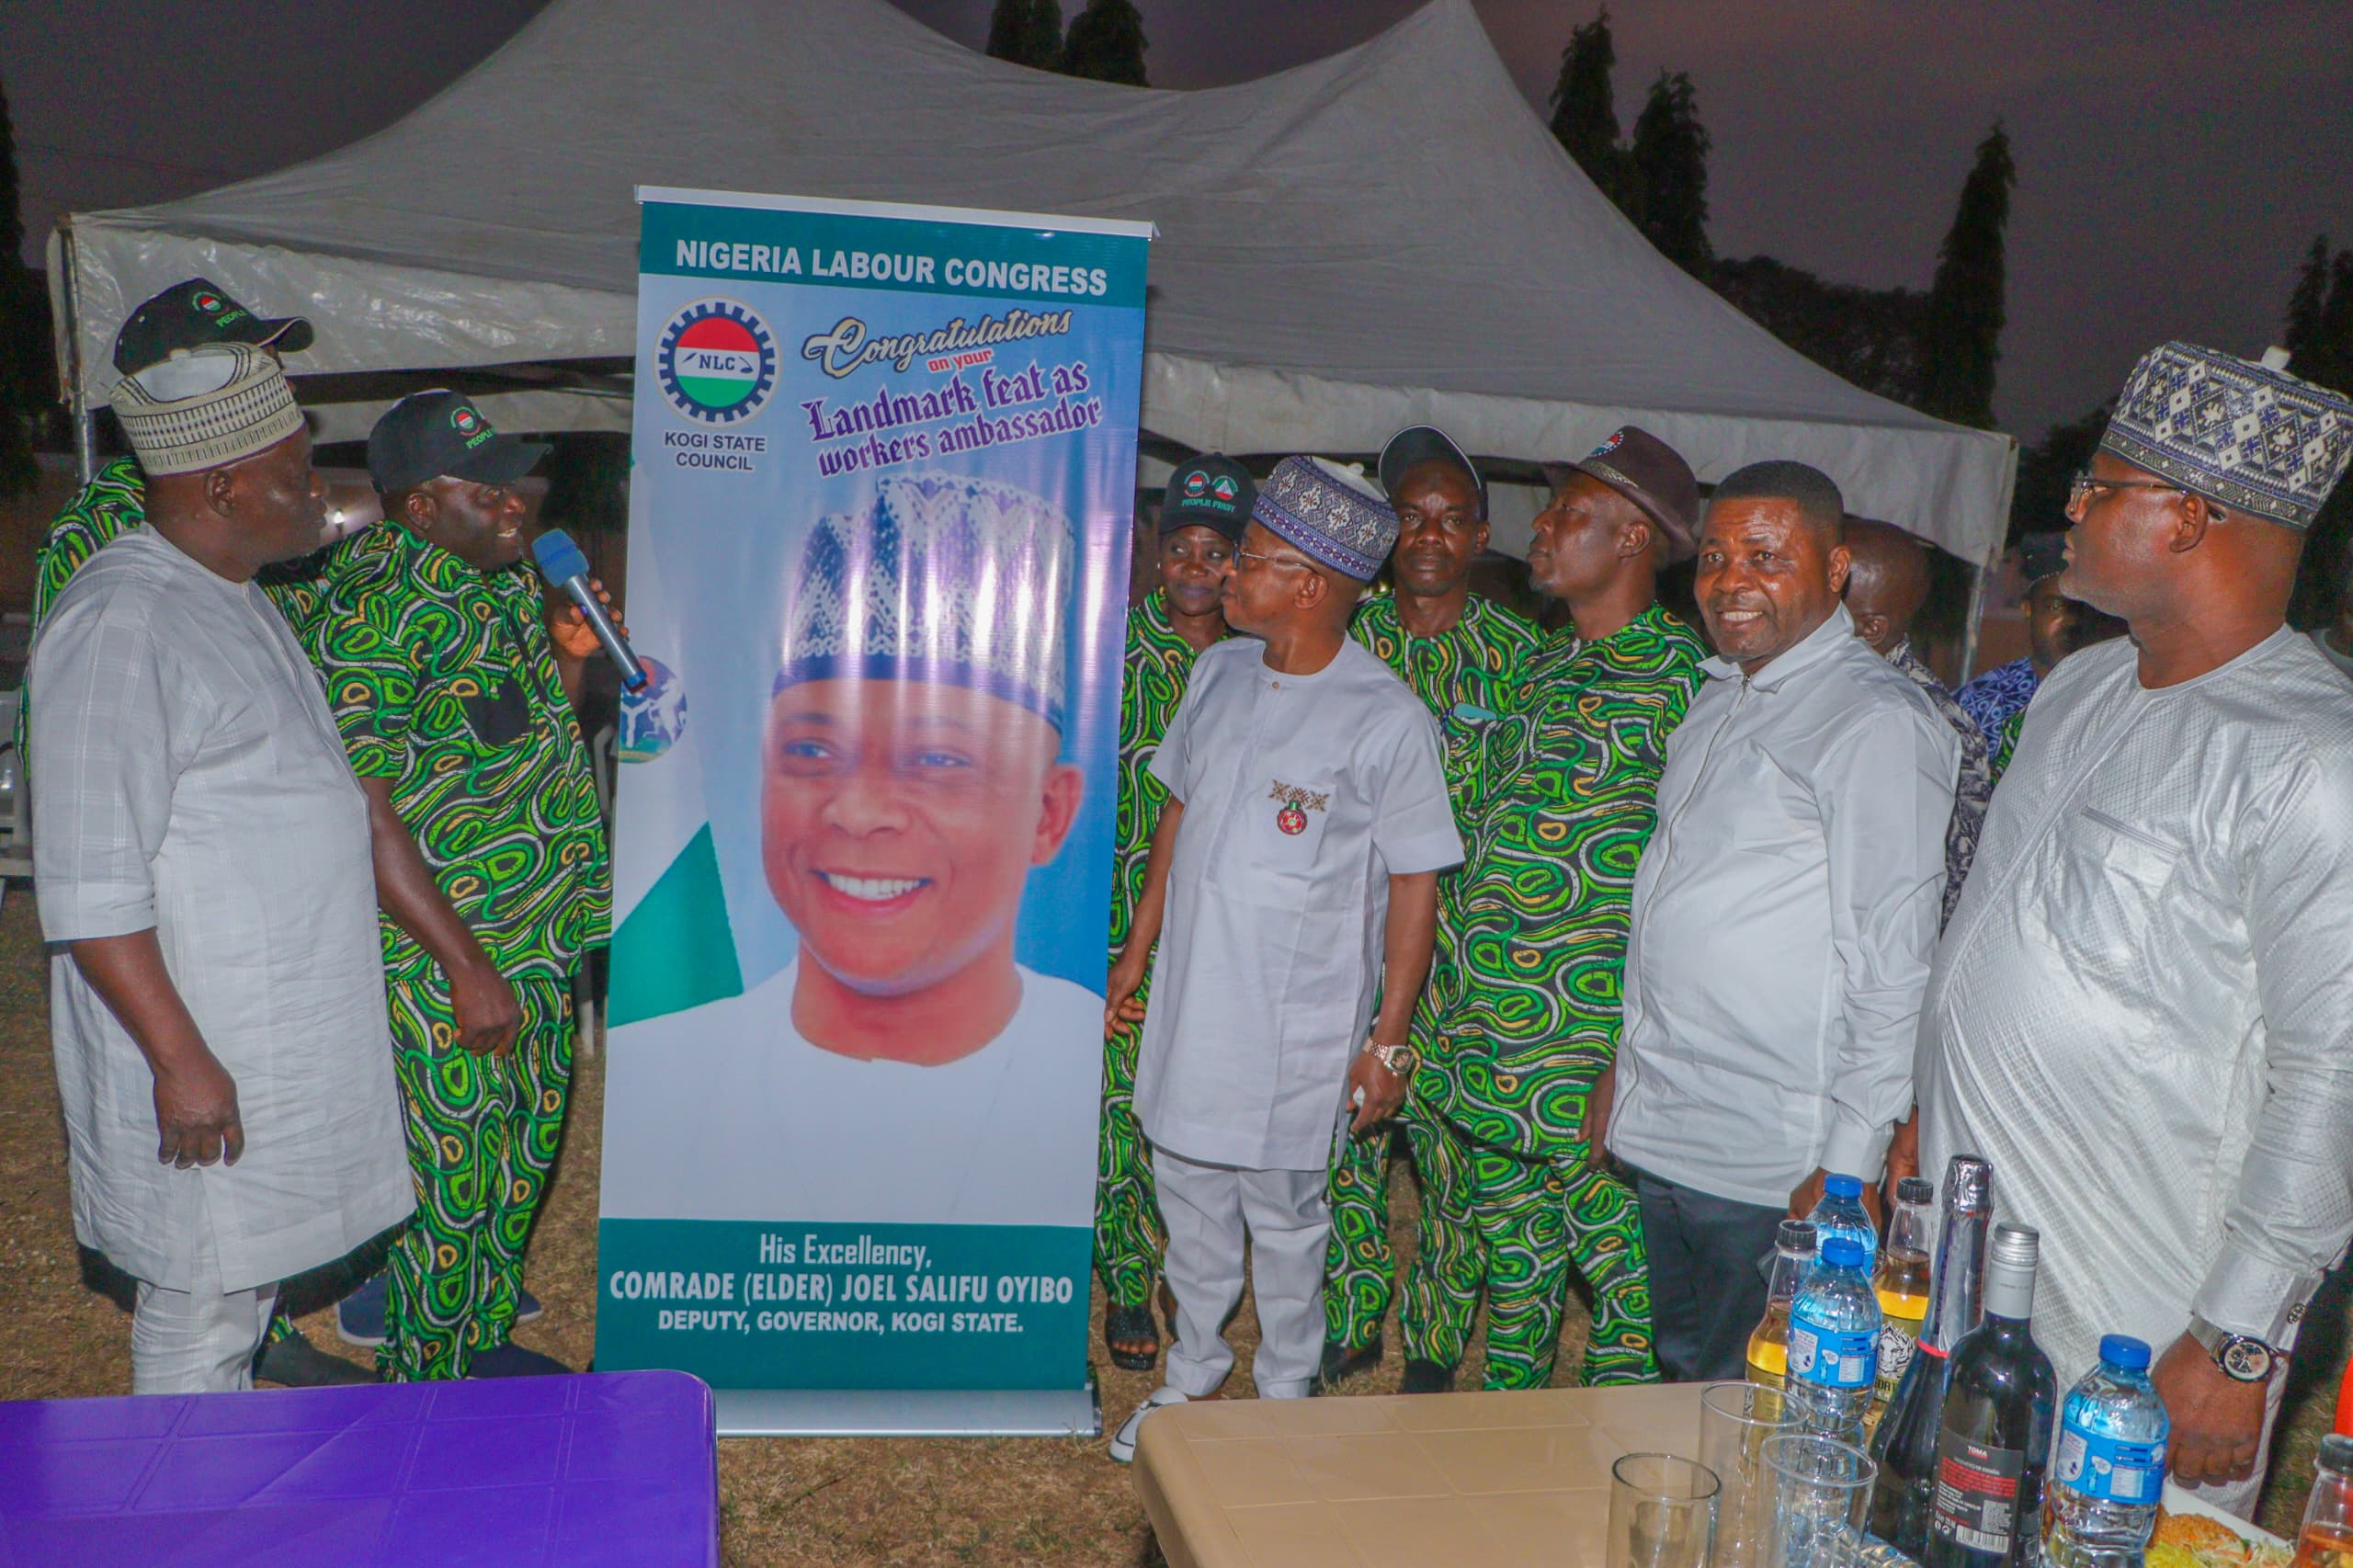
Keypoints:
(2142, 1012)
(1784, 915)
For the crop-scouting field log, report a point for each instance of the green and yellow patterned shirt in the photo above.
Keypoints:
(1460, 676)
(112, 504)
(443, 680)
(1524, 1015)
(1159, 662)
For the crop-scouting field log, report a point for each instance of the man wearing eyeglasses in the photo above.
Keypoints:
(455, 700)
(2141, 1012)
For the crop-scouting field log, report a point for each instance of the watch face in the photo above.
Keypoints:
(2249, 1360)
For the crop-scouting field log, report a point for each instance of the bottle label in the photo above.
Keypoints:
(1977, 1493)
(1831, 1358)
(1897, 1340)
(2109, 1469)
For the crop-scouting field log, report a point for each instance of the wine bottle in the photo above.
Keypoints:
(2000, 1398)
(1905, 1442)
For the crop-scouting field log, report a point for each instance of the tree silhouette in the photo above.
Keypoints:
(1027, 32)
(1107, 43)
(1961, 338)
(1667, 166)
(1585, 109)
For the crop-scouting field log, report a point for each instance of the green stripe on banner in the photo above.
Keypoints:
(676, 950)
(750, 1304)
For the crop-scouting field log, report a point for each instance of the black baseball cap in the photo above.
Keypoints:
(1420, 443)
(2039, 555)
(429, 433)
(195, 314)
(1213, 492)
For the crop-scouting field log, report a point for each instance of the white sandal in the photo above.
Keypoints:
(1123, 1441)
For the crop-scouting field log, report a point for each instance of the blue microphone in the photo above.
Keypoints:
(566, 569)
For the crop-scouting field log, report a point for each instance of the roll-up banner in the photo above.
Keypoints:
(880, 504)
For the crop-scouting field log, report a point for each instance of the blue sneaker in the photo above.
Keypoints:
(359, 1317)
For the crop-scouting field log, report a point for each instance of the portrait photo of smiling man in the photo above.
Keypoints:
(911, 775)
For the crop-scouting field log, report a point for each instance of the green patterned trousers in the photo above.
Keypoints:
(482, 1131)
(1361, 1267)
(1533, 1218)
(1129, 1236)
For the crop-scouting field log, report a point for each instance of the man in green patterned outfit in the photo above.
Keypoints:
(1202, 514)
(1523, 1026)
(192, 313)
(456, 706)
(1458, 652)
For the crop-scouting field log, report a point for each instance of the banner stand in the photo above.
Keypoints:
(910, 1413)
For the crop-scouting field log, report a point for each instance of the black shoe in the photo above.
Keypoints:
(1340, 1364)
(1426, 1377)
(294, 1363)
(511, 1360)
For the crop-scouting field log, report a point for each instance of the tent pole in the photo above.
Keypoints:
(86, 433)
(1978, 577)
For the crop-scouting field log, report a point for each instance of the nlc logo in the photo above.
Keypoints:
(716, 362)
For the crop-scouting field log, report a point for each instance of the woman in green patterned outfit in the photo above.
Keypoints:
(1523, 1025)
(1206, 504)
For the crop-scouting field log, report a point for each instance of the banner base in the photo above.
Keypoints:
(910, 1413)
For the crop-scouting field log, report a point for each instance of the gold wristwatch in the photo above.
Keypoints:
(1402, 1060)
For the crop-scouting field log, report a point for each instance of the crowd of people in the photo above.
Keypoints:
(1631, 934)
(1634, 933)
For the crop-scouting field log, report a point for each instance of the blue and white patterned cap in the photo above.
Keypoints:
(2249, 435)
(961, 582)
(1333, 513)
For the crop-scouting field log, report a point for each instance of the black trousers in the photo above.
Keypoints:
(1706, 1291)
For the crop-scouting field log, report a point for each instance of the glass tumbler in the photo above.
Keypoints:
(1662, 1511)
(1822, 1490)
(1735, 1421)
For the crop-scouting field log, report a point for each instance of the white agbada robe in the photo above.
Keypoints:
(190, 779)
(2142, 1012)
(1303, 794)
(784, 1130)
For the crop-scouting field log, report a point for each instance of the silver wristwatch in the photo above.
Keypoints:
(2242, 1359)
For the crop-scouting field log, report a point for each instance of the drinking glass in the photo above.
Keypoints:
(1662, 1511)
(1735, 1421)
(1822, 1490)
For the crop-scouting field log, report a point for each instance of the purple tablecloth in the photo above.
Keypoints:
(616, 1467)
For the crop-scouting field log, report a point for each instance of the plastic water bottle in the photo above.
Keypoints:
(1840, 1212)
(1833, 1342)
(2110, 1463)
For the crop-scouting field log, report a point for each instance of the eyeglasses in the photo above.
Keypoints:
(2086, 483)
(1242, 554)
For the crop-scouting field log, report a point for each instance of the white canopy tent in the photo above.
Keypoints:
(1385, 236)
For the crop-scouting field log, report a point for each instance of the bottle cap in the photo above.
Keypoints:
(2017, 1247)
(1843, 1187)
(1842, 1252)
(1969, 1185)
(2336, 1453)
(1914, 1190)
(1795, 1235)
(2124, 1350)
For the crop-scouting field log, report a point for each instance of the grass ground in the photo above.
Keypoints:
(784, 1501)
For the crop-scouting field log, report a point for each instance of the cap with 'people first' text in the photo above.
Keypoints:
(195, 314)
(1210, 492)
(431, 433)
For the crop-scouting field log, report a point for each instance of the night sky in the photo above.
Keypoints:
(2176, 156)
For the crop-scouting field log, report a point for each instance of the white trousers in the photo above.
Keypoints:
(1211, 1213)
(199, 1340)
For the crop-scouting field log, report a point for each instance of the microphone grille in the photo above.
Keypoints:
(559, 558)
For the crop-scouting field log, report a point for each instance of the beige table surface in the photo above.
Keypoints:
(1425, 1479)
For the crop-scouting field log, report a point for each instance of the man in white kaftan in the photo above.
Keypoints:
(203, 865)
(2142, 1012)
